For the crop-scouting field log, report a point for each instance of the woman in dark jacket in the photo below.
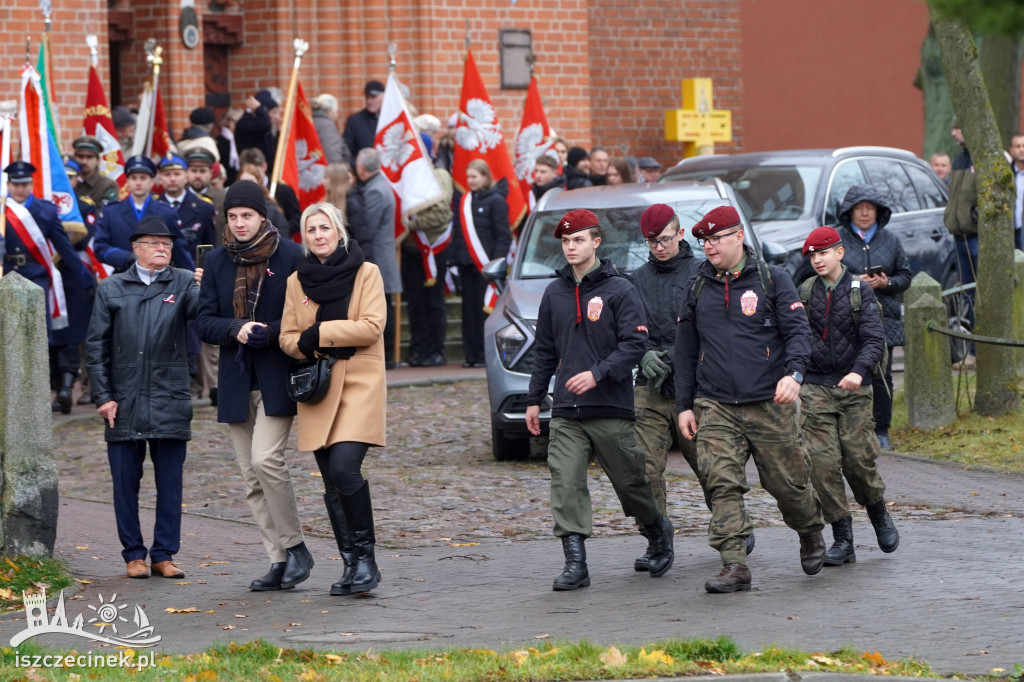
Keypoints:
(240, 304)
(484, 236)
(878, 257)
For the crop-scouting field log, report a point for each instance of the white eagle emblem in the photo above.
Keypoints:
(395, 147)
(481, 131)
(530, 145)
(311, 173)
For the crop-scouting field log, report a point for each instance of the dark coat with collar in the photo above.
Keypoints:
(136, 353)
(118, 223)
(218, 326)
(196, 217)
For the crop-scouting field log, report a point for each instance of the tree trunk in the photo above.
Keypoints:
(996, 391)
(1000, 66)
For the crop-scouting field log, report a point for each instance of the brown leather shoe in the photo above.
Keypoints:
(733, 578)
(137, 568)
(812, 552)
(166, 569)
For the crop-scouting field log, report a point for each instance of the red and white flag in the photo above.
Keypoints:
(532, 140)
(152, 125)
(100, 125)
(478, 136)
(304, 163)
(22, 222)
(35, 134)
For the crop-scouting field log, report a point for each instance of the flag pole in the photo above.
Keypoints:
(94, 53)
(46, 6)
(8, 110)
(289, 115)
(397, 358)
(154, 54)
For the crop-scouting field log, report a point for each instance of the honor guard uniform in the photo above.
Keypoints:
(195, 213)
(201, 155)
(120, 220)
(92, 182)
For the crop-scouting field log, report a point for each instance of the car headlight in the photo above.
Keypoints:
(513, 341)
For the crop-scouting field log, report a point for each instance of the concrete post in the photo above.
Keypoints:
(28, 474)
(927, 382)
(1018, 314)
(922, 284)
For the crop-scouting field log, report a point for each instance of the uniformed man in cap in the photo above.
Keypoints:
(91, 180)
(742, 346)
(119, 220)
(194, 211)
(201, 154)
(590, 334)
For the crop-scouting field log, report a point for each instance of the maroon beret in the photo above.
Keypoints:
(821, 238)
(574, 221)
(654, 220)
(716, 220)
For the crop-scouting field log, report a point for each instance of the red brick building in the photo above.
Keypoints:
(607, 68)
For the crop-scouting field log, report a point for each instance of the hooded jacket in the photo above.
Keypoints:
(883, 250)
(596, 325)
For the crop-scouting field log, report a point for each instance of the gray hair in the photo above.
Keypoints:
(325, 102)
(369, 159)
(333, 214)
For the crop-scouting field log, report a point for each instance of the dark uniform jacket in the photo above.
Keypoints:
(101, 189)
(219, 326)
(885, 250)
(596, 325)
(255, 130)
(838, 345)
(136, 353)
(360, 132)
(118, 223)
(490, 217)
(961, 216)
(78, 296)
(663, 288)
(196, 216)
(729, 349)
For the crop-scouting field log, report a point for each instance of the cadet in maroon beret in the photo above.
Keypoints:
(591, 332)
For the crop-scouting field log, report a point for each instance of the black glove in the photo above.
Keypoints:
(259, 337)
(309, 340)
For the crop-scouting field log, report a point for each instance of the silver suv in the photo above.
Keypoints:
(509, 331)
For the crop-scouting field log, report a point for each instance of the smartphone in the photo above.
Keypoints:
(201, 251)
(873, 270)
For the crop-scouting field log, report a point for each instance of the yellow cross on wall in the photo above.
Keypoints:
(697, 124)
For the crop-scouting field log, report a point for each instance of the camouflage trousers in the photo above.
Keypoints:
(727, 435)
(657, 430)
(839, 435)
(613, 443)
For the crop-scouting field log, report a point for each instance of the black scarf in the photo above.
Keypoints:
(329, 284)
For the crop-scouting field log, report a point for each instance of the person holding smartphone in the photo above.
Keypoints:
(878, 258)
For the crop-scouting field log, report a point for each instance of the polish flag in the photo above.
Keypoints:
(532, 140)
(304, 164)
(151, 108)
(100, 125)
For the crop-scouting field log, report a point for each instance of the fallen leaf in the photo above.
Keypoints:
(12, 564)
(544, 636)
(825, 660)
(875, 657)
(792, 617)
(229, 627)
(294, 625)
(190, 609)
(210, 611)
(612, 657)
(520, 656)
(712, 667)
(81, 546)
(84, 582)
(334, 659)
(463, 544)
(184, 582)
(654, 657)
(241, 615)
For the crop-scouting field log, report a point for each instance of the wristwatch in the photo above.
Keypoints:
(796, 375)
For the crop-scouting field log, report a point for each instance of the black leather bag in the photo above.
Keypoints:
(308, 381)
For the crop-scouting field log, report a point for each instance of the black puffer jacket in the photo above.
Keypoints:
(838, 345)
(136, 353)
(575, 178)
(597, 325)
(663, 287)
(885, 250)
(490, 217)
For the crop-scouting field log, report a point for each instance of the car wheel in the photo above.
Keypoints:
(960, 317)
(508, 448)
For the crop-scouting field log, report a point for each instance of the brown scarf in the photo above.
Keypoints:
(251, 258)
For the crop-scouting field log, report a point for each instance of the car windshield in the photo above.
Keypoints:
(766, 193)
(541, 254)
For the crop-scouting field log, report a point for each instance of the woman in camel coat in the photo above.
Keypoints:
(334, 306)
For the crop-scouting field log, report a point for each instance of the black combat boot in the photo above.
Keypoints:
(733, 578)
(841, 552)
(885, 529)
(297, 566)
(812, 552)
(659, 532)
(642, 563)
(575, 574)
(750, 543)
(359, 515)
(271, 581)
(343, 536)
(67, 382)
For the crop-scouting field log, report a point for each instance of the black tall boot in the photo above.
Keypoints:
(885, 529)
(359, 515)
(67, 382)
(659, 532)
(343, 536)
(575, 574)
(841, 552)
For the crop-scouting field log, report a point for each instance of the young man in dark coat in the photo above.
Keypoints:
(847, 342)
(138, 369)
(590, 334)
(577, 170)
(240, 305)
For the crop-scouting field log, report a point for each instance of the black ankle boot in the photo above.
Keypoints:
(297, 567)
(885, 529)
(642, 563)
(67, 382)
(271, 581)
(575, 574)
(841, 552)
(343, 536)
(812, 552)
(659, 532)
(358, 511)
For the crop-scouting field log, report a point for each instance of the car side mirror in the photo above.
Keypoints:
(773, 253)
(495, 272)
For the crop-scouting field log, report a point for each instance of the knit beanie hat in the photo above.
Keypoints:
(577, 154)
(248, 194)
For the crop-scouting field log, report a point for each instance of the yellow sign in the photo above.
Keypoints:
(697, 124)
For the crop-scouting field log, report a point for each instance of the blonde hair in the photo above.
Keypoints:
(481, 167)
(338, 180)
(335, 216)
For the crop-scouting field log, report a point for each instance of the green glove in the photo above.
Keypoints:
(652, 366)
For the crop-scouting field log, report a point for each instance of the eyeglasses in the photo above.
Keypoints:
(716, 239)
(156, 244)
(663, 242)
